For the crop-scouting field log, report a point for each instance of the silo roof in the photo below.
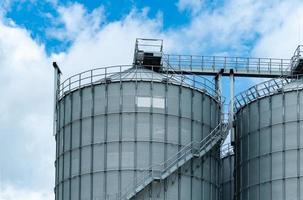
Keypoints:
(135, 73)
(142, 74)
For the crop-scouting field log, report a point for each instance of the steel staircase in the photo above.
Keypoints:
(192, 150)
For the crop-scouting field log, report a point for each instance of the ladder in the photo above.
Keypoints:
(192, 150)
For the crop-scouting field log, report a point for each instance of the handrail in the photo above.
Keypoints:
(165, 62)
(189, 150)
(264, 89)
(99, 75)
(298, 55)
(225, 62)
(194, 145)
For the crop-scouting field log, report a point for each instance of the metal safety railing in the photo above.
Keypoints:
(163, 170)
(237, 64)
(267, 88)
(133, 73)
(297, 57)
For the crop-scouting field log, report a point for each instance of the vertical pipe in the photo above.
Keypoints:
(57, 74)
(57, 77)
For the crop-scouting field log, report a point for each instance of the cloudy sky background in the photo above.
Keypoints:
(81, 35)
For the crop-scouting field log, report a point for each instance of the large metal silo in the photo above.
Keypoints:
(269, 141)
(115, 123)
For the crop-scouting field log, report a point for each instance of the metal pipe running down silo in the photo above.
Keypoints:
(57, 78)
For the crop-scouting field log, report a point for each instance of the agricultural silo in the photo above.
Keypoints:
(269, 141)
(227, 172)
(115, 124)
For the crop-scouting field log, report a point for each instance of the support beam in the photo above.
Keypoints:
(57, 76)
(231, 106)
(218, 87)
(218, 82)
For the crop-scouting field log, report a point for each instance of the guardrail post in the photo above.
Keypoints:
(179, 62)
(236, 64)
(281, 67)
(57, 77)
(270, 63)
(91, 77)
(191, 63)
(225, 62)
(259, 65)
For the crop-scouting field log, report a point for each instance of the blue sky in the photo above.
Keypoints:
(83, 34)
(35, 16)
(39, 16)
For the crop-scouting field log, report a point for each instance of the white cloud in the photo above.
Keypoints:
(236, 25)
(192, 5)
(76, 19)
(12, 193)
(27, 145)
(113, 44)
(281, 40)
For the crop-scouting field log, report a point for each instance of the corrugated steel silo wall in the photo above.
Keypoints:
(227, 177)
(269, 148)
(107, 138)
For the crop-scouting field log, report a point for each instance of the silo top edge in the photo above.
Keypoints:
(267, 88)
(123, 73)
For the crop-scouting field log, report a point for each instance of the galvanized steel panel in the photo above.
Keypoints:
(227, 177)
